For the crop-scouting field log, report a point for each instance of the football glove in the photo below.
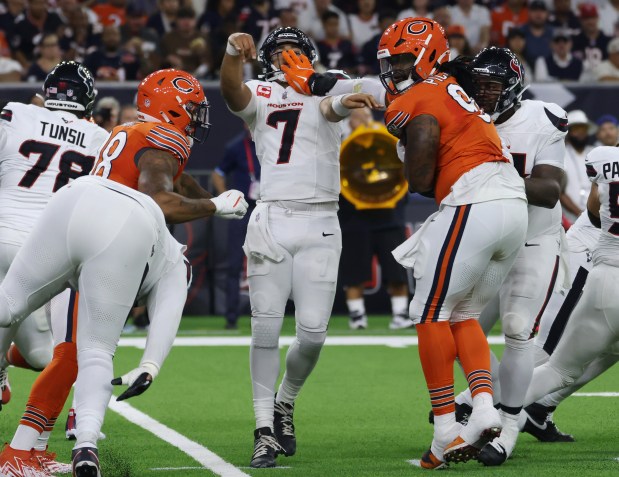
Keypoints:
(298, 70)
(138, 380)
(230, 204)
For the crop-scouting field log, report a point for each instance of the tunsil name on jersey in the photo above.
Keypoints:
(610, 170)
(63, 133)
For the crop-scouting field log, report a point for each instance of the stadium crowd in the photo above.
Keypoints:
(567, 40)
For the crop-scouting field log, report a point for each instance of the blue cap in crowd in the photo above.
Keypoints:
(607, 118)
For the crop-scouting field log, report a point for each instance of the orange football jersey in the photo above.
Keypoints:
(468, 138)
(118, 158)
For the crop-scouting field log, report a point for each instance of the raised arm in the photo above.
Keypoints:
(240, 49)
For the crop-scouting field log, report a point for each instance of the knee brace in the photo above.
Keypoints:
(265, 331)
(516, 326)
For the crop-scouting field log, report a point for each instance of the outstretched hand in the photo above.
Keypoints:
(360, 100)
(298, 71)
(137, 387)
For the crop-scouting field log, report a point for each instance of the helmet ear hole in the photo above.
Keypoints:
(174, 114)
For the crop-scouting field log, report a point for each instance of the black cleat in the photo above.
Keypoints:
(540, 425)
(463, 411)
(492, 454)
(85, 462)
(266, 449)
(284, 427)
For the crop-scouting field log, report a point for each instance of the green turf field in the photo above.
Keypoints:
(362, 413)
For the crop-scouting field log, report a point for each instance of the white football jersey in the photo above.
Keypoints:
(40, 151)
(602, 165)
(535, 135)
(297, 147)
(582, 235)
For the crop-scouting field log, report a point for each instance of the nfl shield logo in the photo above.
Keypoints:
(69, 92)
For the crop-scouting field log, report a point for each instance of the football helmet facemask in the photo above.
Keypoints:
(499, 80)
(70, 87)
(175, 97)
(410, 51)
(270, 46)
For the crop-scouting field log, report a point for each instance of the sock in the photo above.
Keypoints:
(14, 357)
(301, 358)
(437, 351)
(399, 305)
(465, 397)
(25, 437)
(43, 439)
(474, 355)
(509, 432)
(515, 373)
(356, 307)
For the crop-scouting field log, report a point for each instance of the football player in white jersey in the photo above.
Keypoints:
(534, 132)
(41, 150)
(593, 329)
(293, 239)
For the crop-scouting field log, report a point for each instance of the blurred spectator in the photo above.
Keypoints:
(590, 45)
(369, 64)
(128, 114)
(476, 22)
(259, 20)
(64, 8)
(241, 168)
(111, 62)
(185, 47)
(517, 42)
(311, 19)
(418, 8)
(150, 7)
(110, 12)
(442, 14)
(163, 20)
(49, 56)
(458, 44)
(561, 65)
(81, 37)
(288, 17)
(609, 16)
(537, 32)
(10, 70)
(140, 40)
(608, 70)
(217, 11)
(563, 17)
(364, 23)
(35, 21)
(336, 53)
(577, 184)
(512, 14)
(608, 132)
(106, 113)
(9, 11)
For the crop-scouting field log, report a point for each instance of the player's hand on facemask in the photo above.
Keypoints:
(298, 72)
(138, 380)
(230, 204)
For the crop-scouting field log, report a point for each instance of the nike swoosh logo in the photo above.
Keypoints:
(326, 235)
(531, 244)
(540, 427)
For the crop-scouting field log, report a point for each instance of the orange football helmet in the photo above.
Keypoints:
(410, 51)
(175, 97)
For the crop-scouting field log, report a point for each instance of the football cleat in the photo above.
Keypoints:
(501, 448)
(463, 411)
(85, 462)
(19, 463)
(266, 448)
(430, 461)
(358, 322)
(540, 425)
(49, 463)
(284, 427)
(483, 425)
(401, 322)
(493, 453)
(5, 387)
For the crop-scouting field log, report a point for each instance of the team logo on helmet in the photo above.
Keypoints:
(182, 84)
(417, 28)
(515, 67)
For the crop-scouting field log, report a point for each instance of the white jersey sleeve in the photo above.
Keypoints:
(602, 166)
(42, 151)
(298, 148)
(360, 85)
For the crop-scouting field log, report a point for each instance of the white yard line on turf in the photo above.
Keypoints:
(596, 394)
(415, 462)
(390, 341)
(201, 454)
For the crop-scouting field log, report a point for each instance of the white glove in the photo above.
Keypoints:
(138, 379)
(230, 204)
(400, 149)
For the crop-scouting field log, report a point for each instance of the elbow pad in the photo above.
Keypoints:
(320, 84)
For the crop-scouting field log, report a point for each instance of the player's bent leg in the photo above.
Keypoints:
(34, 340)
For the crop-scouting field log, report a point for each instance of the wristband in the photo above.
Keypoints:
(339, 108)
(231, 50)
